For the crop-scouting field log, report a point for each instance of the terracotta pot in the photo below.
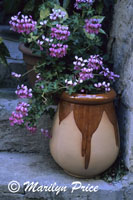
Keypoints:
(31, 60)
(85, 136)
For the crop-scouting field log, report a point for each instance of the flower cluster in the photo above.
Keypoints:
(16, 75)
(16, 118)
(45, 132)
(92, 26)
(86, 73)
(95, 62)
(31, 129)
(107, 73)
(42, 42)
(21, 111)
(87, 69)
(78, 2)
(22, 24)
(79, 63)
(60, 32)
(104, 85)
(57, 14)
(22, 108)
(58, 50)
(24, 92)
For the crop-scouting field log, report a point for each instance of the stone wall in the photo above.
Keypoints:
(121, 48)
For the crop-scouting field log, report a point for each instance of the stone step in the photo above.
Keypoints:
(15, 138)
(22, 167)
(6, 33)
(15, 63)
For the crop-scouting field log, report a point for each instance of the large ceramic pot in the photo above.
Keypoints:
(85, 136)
(31, 60)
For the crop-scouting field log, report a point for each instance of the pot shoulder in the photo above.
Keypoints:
(89, 98)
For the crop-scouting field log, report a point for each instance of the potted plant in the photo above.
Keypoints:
(72, 73)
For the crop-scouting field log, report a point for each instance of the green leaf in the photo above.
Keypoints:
(89, 36)
(66, 3)
(44, 13)
(102, 31)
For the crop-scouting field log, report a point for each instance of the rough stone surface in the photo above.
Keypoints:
(14, 65)
(42, 169)
(121, 46)
(15, 138)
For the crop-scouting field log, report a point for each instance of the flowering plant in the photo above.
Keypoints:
(70, 45)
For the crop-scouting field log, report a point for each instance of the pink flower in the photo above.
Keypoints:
(58, 50)
(16, 118)
(92, 26)
(23, 92)
(31, 129)
(16, 75)
(60, 32)
(21, 112)
(95, 62)
(45, 132)
(22, 24)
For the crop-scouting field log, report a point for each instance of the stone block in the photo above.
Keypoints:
(121, 47)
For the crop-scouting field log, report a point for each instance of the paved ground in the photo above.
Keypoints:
(42, 169)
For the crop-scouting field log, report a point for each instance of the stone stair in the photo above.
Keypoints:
(15, 62)
(22, 167)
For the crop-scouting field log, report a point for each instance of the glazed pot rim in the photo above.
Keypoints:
(89, 98)
(26, 50)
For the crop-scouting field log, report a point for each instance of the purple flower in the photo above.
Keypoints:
(104, 85)
(16, 118)
(92, 26)
(60, 32)
(23, 92)
(85, 70)
(86, 73)
(43, 23)
(22, 108)
(22, 24)
(95, 62)
(40, 43)
(21, 112)
(78, 2)
(31, 129)
(57, 14)
(16, 75)
(45, 132)
(58, 50)
(109, 74)
(79, 63)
